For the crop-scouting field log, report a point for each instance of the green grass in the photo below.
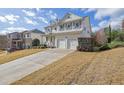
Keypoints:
(114, 44)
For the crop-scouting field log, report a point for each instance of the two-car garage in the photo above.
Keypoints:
(67, 43)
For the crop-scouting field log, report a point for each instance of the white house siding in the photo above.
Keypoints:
(43, 39)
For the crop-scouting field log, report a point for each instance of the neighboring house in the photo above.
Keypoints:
(15, 40)
(21, 40)
(3, 41)
(101, 37)
(64, 33)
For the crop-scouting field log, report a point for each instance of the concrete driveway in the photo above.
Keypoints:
(17, 69)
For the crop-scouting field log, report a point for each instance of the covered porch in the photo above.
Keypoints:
(17, 44)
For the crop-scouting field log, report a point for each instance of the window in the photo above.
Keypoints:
(14, 42)
(61, 27)
(69, 26)
(28, 35)
(49, 29)
(46, 38)
(68, 16)
(77, 25)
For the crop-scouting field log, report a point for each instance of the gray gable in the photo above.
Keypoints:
(37, 31)
(70, 16)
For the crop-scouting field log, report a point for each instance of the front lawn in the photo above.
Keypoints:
(64, 71)
(106, 67)
(4, 58)
(1, 50)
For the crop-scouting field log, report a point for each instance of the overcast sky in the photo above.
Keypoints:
(19, 19)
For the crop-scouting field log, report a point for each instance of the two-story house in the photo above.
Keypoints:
(22, 40)
(15, 40)
(64, 33)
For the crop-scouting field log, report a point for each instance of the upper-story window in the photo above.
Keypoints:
(28, 35)
(69, 26)
(48, 29)
(68, 16)
(61, 27)
(55, 28)
(77, 24)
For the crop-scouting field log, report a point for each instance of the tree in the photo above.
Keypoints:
(110, 35)
(113, 34)
(121, 36)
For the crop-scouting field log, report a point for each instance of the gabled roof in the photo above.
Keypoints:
(14, 33)
(37, 31)
(33, 31)
(68, 17)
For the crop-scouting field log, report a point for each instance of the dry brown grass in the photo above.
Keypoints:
(1, 50)
(64, 71)
(82, 68)
(4, 58)
(106, 68)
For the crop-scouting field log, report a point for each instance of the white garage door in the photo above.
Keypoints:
(61, 43)
(72, 43)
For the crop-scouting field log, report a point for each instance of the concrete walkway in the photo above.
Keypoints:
(17, 69)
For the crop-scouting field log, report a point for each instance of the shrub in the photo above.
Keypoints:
(115, 44)
(43, 45)
(95, 49)
(105, 47)
(121, 36)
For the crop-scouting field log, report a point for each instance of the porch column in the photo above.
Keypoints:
(66, 42)
(16, 44)
(56, 42)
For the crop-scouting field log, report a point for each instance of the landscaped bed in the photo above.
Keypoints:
(105, 67)
(17, 54)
